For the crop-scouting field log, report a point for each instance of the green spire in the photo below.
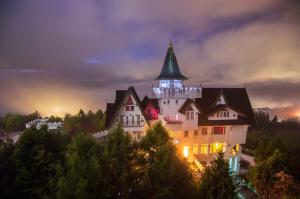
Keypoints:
(170, 69)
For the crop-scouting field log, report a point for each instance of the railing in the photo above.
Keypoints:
(184, 92)
(132, 123)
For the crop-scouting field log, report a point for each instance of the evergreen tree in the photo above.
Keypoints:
(80, 177)
(36, 156)
(216, 182)
(166, 175)
(7, 170)
(119, 164)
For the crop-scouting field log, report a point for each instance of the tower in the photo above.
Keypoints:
(170, 80)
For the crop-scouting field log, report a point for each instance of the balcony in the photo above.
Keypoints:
(132, 123)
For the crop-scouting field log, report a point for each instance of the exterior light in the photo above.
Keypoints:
(185, 151)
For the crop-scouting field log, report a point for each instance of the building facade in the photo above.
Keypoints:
(201, 121)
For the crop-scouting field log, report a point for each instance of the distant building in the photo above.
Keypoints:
(39, 122)
(201, 121)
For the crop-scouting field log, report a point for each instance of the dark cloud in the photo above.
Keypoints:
(75, 53)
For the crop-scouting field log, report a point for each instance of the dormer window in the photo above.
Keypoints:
(221, 100)
(190, 114)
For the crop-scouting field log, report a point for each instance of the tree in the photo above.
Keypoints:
(81, 175)
(36, 156)
(216, 182)
(119, 164)
(165, 176)
(7, 170)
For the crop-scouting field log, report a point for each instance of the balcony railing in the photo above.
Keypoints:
(132, 123)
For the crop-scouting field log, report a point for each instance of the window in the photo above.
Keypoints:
(185, 151)
(187, 115)
(132, 108)
(176, 101)
(186, 133)
(218, 130)
(204, 131)
(216, 147)
(138, 118)
(203, 149)
(192, 115)
(195, 132)
(139, 135)
(132, 119)
(217, 114)
(127, 108)
(164, 102)
(127, 120)
(195, 149)
(168, 101)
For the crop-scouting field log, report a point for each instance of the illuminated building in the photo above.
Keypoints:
(201, 121)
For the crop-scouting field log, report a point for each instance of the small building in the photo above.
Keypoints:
(201, 121)
(39, 122)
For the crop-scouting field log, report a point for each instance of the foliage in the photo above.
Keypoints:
(119, 163)
(82, 122)
(16, 122)
(216, 182)
(36, 156)
(7, 171)
(166, 175)
(80, 176)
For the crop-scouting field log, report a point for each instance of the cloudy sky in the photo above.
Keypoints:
(57, 56)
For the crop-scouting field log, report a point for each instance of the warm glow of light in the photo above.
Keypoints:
(185, 151)
(298, 114)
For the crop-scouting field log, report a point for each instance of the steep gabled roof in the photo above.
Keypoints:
(236, 98)
(170, 69)
(153, 101)
(186, 104)
(113, 108)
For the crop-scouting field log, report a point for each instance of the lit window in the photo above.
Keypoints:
(186, 133)
(185, 151)
(204, 131)
(203, 149)
(218, 130)
(195, 149)
(216, 147)
(195, 132)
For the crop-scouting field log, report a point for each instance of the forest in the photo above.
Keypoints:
(72, 164)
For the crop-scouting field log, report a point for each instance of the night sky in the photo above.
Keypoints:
(58, 56)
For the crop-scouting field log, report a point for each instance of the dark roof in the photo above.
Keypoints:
(113, 108)
(236, 99)
(170, 69)
(153, 101)
(186, 104)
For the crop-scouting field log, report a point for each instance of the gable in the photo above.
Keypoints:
(121, 104)
(235, 98)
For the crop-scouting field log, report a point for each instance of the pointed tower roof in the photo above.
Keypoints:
(170, 69)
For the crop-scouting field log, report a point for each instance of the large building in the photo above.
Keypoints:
(201, 121)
